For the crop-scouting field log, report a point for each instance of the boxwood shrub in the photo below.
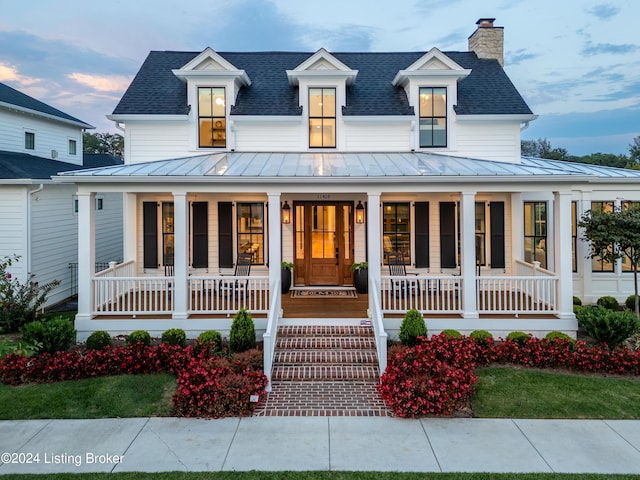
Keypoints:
(412, 327)
(174, 336)
(139, 336)
(98, 340)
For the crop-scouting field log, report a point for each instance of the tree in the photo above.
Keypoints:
(634, 151)
(615, 235)
(541, 148)
(112, 143)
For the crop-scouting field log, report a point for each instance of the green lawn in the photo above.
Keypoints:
(507, 392)
(323, 476)
(103, 397)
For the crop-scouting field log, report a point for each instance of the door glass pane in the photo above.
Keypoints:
(299, 220)
(323, 231)
(346, 229)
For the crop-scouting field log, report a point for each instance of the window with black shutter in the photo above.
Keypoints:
(422, 234)
(448, 241)
(225, 234)
(200, 247)
(150, 234)
(496, 212)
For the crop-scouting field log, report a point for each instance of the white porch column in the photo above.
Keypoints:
(562, 252)
(468, 253)
(374, 237)
(275, 238)
(86, 254)
(130, 223)
(585, 269)
(180, 261)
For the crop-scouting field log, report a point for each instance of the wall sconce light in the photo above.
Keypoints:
(359, 212)
(286, 213)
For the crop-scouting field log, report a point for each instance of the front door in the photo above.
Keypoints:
(324, 243)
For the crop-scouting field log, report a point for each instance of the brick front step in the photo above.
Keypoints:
(324, 331)
(323, 399)
(325, 343)
(324, 372)
(315, 357)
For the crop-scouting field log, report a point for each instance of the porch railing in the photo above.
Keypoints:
(227, 294)
(517, 295)
(378, 326)
(441, 294)
(271, 332)
(525, 269)
(126, 269)
(132, 295)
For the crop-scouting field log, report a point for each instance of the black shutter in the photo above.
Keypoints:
(496, 210)
(225, 234)
(422, 234)
(150, 234)
(448, 235)
(200, 214)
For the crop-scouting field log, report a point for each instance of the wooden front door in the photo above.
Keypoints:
(324, 243)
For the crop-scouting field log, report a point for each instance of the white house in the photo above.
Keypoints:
(325, 159)
(39, 218)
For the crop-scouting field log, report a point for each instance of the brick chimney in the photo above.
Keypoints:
(488, 41)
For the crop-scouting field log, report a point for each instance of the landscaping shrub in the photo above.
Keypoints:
(577, 301)
(19, 302)
(451, 333)
(609, 303)
(556, 335)
(480, 335)
(174, 336)
(243, 334)
(412, 327)
(139, 336)
(54, 335)
(630, 302)
(608, 326)
(98, 340)
(518, 337)
(211, 340)
(251, 360)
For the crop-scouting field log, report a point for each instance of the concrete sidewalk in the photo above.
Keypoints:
(320, 443)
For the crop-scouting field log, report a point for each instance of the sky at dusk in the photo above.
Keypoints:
(576, 62)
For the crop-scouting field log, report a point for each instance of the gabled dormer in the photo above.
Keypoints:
(322, 82)
(431, 86)
(213, 84)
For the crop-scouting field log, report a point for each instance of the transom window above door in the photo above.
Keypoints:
(212, 121)
(322, 117)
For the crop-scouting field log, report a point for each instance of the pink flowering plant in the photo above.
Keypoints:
(19, 302)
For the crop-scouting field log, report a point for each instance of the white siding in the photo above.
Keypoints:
(491, 140)
(264, 138)
(13, 208)
(375, 137)
(157, 141)
(109, 228)
(49, 135)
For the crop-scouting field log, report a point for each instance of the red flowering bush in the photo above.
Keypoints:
(204, 388)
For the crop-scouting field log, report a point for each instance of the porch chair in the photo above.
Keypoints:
(242, 269)
(397, 268)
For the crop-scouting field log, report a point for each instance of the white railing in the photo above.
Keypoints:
(441, 294)
(525, 269)
(375, 313)
(517, 295)
(227, 294)
(126, 269)
(270, 335)
(132, 295)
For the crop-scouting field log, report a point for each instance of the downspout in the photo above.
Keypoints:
(119, 126)
(29, 214)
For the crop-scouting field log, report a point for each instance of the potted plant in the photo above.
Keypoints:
(361, 276)
(286, 276)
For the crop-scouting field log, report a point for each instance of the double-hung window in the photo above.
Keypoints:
(212, 120)
(597, 263)
(322, 117)
(535, 232)
(397, 229)
(29, 140)
(251, 230)
(72, 147)
(433, 117)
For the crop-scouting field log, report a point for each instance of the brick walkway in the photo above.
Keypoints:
(324, 371)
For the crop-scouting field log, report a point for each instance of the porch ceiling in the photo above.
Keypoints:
(383, 166)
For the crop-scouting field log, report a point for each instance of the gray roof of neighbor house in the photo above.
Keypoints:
(155, 90)
(12, 98)
(22, 166)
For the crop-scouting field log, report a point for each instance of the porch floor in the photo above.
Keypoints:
(325, 307)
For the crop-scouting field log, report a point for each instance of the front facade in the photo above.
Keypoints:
(39, 218)
(328, 159)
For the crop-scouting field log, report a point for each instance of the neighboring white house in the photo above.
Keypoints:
(325, 159)
(39, 218)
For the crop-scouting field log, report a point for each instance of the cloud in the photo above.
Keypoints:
(609, 48)
(519, 56)
(102, 83)
(604, 11)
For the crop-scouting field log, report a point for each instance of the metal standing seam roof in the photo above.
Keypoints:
(583, 168)
(290, 165)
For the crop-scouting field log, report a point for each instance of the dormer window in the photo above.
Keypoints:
(322, 117)
(212, 121)
(433, 117)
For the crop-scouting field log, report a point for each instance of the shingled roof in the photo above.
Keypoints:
(10, 97)
(22, 166)
(155, 90)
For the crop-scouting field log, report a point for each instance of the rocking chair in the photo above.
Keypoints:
(397, 268)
